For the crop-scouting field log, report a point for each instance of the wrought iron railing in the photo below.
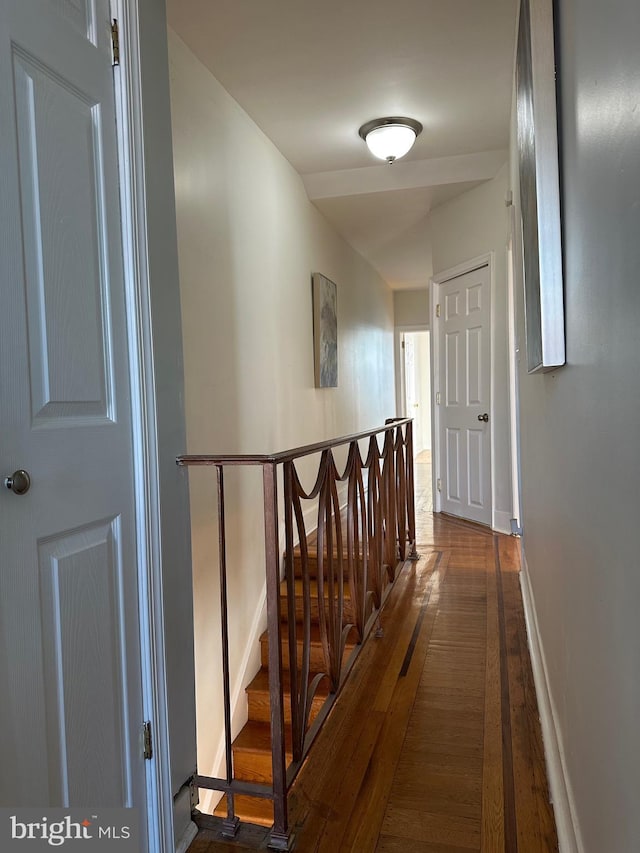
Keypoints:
(358, 550)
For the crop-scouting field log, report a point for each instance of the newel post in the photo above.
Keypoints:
(280, 836)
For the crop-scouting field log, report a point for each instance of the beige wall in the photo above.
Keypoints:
(466, 227)
(411, 307)
(580, 439)
(248, 242)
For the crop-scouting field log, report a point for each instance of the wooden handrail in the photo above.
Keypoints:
(359, 549)
(286, 455)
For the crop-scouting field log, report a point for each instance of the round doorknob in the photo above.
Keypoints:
(484, 418)
(19, 482)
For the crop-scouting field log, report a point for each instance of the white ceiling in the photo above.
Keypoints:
(309, 74)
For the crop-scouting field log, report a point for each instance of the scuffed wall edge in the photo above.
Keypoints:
(185, 828)
(569, 838)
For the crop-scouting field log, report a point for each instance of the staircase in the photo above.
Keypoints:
(252, 747)
(379, 521)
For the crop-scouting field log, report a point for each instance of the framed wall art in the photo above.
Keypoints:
(325, 331)
(539, 186)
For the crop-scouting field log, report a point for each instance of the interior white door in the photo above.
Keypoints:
(417, 373)
(465, 380)
(70, 674)
(412, 391)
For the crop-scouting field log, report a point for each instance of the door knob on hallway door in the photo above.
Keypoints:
(19, 482)
(484, 418)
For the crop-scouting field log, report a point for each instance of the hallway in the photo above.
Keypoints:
(435, 745)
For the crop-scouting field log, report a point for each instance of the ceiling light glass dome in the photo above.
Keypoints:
(390, 138)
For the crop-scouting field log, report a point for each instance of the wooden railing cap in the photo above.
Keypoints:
(286, 455)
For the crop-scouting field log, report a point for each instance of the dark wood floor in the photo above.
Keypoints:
(436, 745)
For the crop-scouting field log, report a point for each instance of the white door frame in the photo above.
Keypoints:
(435, 283)
(131, 164)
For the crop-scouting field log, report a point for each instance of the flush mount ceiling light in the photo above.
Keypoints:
(390, 138)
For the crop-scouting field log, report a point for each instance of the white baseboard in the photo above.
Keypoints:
(501, 521)
(569, 838)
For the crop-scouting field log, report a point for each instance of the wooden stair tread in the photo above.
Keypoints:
(312, 536)
(312, 565)
(312, 552)
(261, 683)
(254, 810)
(312, 560)
(256, 737)
(298, 587)
(260, 698)
(252, 759)
(314, 601)
(314, 634)
(316, 652)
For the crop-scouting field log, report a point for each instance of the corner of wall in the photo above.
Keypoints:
(184, 828)
(166, 355)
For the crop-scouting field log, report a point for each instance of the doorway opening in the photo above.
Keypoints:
(415, 360)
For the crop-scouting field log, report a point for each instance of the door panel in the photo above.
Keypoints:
(475, 455)
(65, 244)
(452, 305)
(81, 587)
(465, 377)
(452, 369)
(474, 298)
(474, 367)
(80, 13)
(453, 466)
(71, 709)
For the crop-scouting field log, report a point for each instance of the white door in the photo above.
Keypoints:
(412, 395)
(465, 383)
(70, 680)
(417, 373)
